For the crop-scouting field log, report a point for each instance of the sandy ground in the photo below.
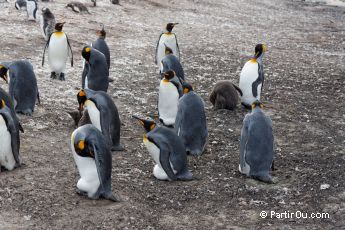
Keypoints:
(303, 94)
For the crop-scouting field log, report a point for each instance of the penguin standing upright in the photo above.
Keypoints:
(9, 141)
(59, 49)
(170, 90)
(20, 4)
(103, 114)
(47, 23)
(31, 9)
(23, 88)
(167, 150)
(191, 124)
(169, 39)
(101, 45)
(92, 156)
(8, 102)
(225, 95)
(256, 146)
(97, 75)
(171, 62)
(252, 77)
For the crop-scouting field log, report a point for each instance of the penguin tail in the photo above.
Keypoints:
(111, 197)
(185, 176)
(266, 178)
(20, 127)
(238, 89)
(246, 106)
(117, 148)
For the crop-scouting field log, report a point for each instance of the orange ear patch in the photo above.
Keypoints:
(2, 104)
(152, 126)
(253, 60)
(82, 93)
(81, 145)
(88, 49)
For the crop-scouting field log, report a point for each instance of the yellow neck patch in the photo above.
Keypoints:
(253, 60)
(58, 33)
(145, 138)
(165, 80)
(168, 33)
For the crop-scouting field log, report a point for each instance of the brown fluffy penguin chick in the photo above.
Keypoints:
(80, 119)
(77, 7)
(225, 95)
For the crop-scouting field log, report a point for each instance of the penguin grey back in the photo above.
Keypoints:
(4, 96)
(101, 45)
(225, 95)
(170, 62)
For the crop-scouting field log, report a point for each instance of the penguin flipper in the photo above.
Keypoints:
(177, 48)
(164, 159)
(238, 89)
(70, 48)
(157, 48)
(13, 129)
(38, 98)
(45, 47)
(244, 140)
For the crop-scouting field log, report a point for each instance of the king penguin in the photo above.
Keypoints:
(59, 49)
(171, 62)
(101, 45)
(103, 114)
(191, 124)
(252, 77)
(169, 39)
(225, 95)
(167, 150)
(47, 23)
(31, 8)
(97, 75)
(170, 90)
(23, 88)
(8, 102)
(9, 141)
(256, 145)
(92, 156)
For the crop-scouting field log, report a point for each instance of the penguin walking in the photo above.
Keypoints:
(225, 95)
(47, 23)
(256, 145)
(171, 62)
(252, 77)
(8, 102)
(169, 39)
(191, 124)
(9, 141)
(20, 4)
(31, 9)
(59, 49)
(96, 76)
(92, 156)
(167, 150)
(170, 90)
(23, 88)
(103, 114)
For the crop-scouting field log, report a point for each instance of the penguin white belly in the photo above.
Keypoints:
(246, 169)
(170, 41)
(86, 83)
(168, 102)
(6, 155)
(249, 74)
(31, 10)
(42, 26)
(95, 115)
(58, 52)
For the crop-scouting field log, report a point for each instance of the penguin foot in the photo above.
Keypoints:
(81, 193)
(112, 197)
(267, 179)
(62, 77)
(53, 75)
(117, 148)
(185, 176)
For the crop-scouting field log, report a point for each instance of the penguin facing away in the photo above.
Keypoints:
(168, 98)
(59, 49)
(9, 141)
(92, 156)
(23, 88)
(252, 77)
(101, 45)
(169, 39)
(167, 150)
(31, 8)
(225, 95)
(8, 102)
(77, 7)
(20, 4)
(256, 145)
(191, 124)
(97, 75)
(171, 62)
(103, 114)
(47, 23)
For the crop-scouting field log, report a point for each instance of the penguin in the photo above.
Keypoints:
(225, 95)
(47, 23)
(252, 77)
(167, 150)
(115, 2)
(94, 3)
(92, 156)
(97, 75)
(77, 7)
(8, 102)
(31, 9)
(169, 94)
(23, 88)
(59, 49)
(9, 141)
(171, 62)
(20, 4)
(101, 45)
(191, 124)
(103, 115)
(256, 145)
(169, 39)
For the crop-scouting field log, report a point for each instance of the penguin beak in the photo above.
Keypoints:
(175, 24)
(141, 122)
(5, 78)
(81, 107)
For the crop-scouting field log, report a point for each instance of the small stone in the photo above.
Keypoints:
(324, 186)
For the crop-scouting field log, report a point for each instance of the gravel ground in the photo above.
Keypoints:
(304, 95)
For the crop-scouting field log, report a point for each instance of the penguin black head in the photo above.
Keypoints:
(170, 26)
(168, 75)
(81, 96)
(47, 12)
(148, 125)
(260, 49)
(82, 148)
(101, 33)
(187, 87)
(168, 50)
(257, 104)
(3, 73)
(59, 26)
(86, 53)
